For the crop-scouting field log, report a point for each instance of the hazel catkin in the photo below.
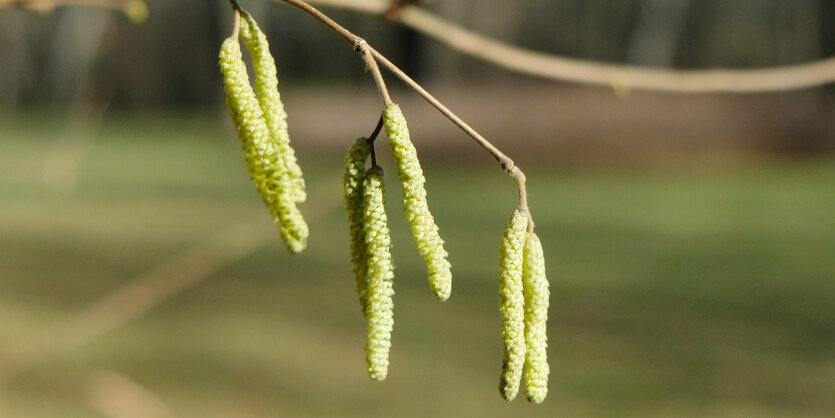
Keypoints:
(379, 292)
(266, 84)
(262, 156)
(536, 317)
(416, 209)
(358, 153)
(512, 304)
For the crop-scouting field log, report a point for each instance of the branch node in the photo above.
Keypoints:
(509, 166)
(360, 46)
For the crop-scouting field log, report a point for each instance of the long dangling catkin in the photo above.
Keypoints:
(266, 84)
(262, 157)
(352, 182)
(429, 242)
(379, 291)
(512, 304)
(536, 318)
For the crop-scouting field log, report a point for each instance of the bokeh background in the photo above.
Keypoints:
(689, 240)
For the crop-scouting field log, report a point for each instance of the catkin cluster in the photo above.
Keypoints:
(523, 304)
(261, 125)
(370, 254)
(370, 240)
(416, 209)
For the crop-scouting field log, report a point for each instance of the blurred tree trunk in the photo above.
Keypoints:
(497, 18)
(797, 38)
(16, 66)
(75, 48)
(172, 58)
(657, 31)
(797, 31)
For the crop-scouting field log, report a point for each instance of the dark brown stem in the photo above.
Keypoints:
(376, 132)
(371, 138)
(237, 6)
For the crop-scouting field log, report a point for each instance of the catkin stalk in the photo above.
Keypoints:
(380, 307)
(266, 84)
(262, 156)
(536, 317)
(429, 242)
(352, 182)
(512, 304)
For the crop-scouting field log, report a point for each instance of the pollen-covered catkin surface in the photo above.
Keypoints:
(265, 167)
(352, 182)
(429, 242)
(512, 304)
(536, 317)
(266, 84)
(380, 307)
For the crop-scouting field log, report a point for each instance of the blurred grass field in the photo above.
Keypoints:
(675, 291)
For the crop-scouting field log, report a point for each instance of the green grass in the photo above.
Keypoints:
(675, 292)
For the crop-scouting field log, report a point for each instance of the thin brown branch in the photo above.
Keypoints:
(357, 42)
(360, 45)
(555, 67)
(236, 27)
(505, 161)
(344, 33)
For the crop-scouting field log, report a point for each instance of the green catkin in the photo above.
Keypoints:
(512, 304)
(262, 157)
(352, 182)
(380, 307)
(429, 242)
(536, 318)
(266, 84)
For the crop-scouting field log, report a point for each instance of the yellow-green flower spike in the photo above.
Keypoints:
(429, 242)
(512, 304)
(266, 83)
(536, 318)
(262, 157)
(380, 307)
(352, 182)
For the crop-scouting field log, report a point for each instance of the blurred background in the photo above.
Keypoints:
(689, 239)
